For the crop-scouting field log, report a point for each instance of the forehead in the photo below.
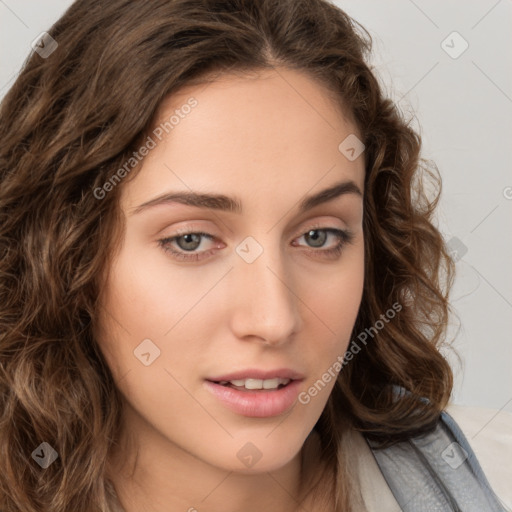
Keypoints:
(262, 131)
(262, 96)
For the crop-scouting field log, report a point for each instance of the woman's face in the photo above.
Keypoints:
(263, 296)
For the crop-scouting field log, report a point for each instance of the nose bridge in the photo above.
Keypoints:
(266, 304)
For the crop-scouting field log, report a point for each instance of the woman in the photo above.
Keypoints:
(221, 286)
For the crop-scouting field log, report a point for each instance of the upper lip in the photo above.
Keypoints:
(255, 373)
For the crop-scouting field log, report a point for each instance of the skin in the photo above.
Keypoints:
(268, 139)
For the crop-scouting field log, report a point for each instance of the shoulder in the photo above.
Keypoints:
(489, 434)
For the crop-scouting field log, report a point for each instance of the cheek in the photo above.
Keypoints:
(151, 344)
(151, 306)
(339, 300)
(147, 295)
(336, 307)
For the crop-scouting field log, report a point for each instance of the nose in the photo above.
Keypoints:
(264, 302)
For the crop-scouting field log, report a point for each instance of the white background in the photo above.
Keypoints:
(463, 109)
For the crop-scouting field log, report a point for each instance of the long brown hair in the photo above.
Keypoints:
(74, 117)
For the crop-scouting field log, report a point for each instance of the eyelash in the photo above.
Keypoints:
(345, 237)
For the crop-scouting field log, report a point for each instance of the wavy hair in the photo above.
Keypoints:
(73, 118)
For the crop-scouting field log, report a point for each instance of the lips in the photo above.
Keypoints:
(262, 398)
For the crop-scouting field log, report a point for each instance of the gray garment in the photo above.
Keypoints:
(436, 472)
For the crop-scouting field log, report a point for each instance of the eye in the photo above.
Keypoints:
(188, 242)
(317, 235)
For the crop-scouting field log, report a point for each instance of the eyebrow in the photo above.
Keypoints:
(234, 205)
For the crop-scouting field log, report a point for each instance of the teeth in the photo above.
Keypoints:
(258, 383)
(270, 383)
(253, 384)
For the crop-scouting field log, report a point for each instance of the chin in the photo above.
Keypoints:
(259, 453)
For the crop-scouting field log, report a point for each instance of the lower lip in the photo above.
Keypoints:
(256, 404)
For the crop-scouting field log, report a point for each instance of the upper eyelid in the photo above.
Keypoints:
(317, 224)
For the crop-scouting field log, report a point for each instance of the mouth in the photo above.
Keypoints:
(256, 394)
